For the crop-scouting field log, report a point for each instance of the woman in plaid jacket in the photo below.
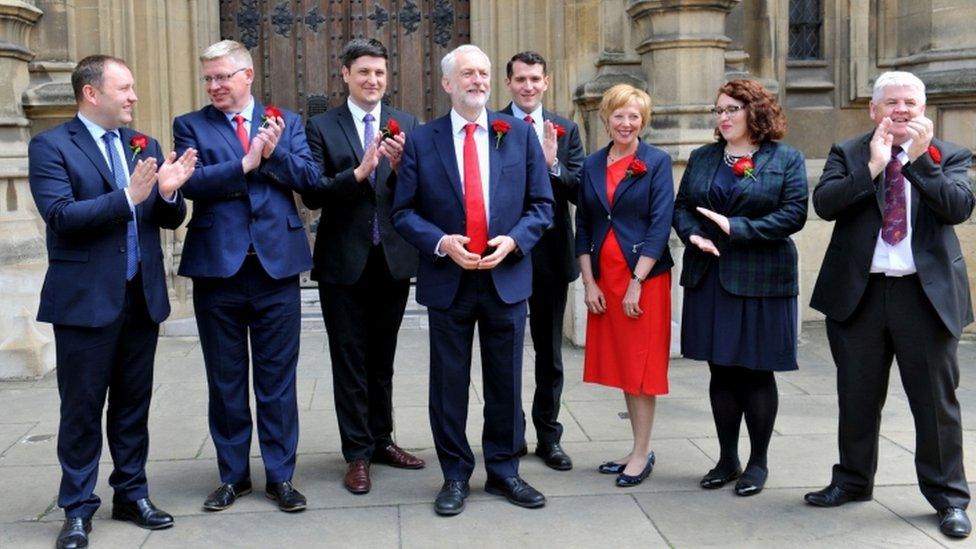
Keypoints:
(739, 201)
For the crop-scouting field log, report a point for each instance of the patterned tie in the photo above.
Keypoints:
(894, 228)
(242, 133)
(368, 135)
(528, 118)
(121, 182)
(474, 200)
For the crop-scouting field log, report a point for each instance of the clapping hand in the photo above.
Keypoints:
(392, 149)
(142, 180)
(175, 172)
(270, 133)
(717, 218)
(920, 130)
(550, 142)
(371, 158)
(881, 147)
(704, 244)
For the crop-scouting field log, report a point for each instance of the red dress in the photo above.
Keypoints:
(631, 354)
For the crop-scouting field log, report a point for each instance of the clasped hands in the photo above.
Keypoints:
(705, 244)
(390, 147)
(452, 245)
(170, 176)
(263, 144)
(919, 129)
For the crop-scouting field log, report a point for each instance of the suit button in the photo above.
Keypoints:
(608, 217)
(121, 249)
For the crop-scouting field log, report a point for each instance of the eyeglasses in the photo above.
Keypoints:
(730, 110)
(220, 78)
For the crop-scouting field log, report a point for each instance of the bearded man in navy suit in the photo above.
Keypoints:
(474, 197)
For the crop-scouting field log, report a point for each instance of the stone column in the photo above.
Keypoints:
(26, 347)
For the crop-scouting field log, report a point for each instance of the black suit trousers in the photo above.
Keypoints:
(895, 320)
(547, 307)
(362, 321)
(117, 361)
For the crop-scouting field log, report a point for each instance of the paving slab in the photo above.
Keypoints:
(41, 535)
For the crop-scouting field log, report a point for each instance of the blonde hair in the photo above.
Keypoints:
(621, 94)
(228, 48)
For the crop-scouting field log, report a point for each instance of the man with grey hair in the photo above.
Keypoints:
(893, 284)
(245, 247)
(473, 196)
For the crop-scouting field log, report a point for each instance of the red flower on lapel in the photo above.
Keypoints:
(392, 129)
(500, 128)
(560, 131)
(138, 143)
(636, 168)
(270, 111)
(936, 154)
(744, 167)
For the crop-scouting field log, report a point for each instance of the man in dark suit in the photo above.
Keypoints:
(553, 264)
(472, 195)
(363, 266)
(893, 284)
(245, 247)
(104, 192)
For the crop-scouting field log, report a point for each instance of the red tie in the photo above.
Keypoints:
(474, 201)
(528, 118)
(242, 133)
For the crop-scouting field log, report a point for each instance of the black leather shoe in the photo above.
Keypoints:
(143, 513)
(516, 491)
(523, 451)
(289, 499)
(450, 500)
(226, 494)
(626, 481)
(752, 481)
(74, 533)
(554, 456)
(833, 496)
(954, 523)
(717, 478)
(611, 468)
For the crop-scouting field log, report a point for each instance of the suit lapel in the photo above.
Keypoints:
(218, 120)
(759, 160)
(83, 139)
(125, 135)
(494, 165)
(705, 171)
(257, 118)
(444, 143)
(599, 179)
(383, 170)
(349, 130)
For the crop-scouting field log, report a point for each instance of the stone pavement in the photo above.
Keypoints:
(585, 509)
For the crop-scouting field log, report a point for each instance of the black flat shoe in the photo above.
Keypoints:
(717, 478)
(834, 496)
(554, 456)
(516, 491)
(626, 481)
(74, 533)
(289, 499)
(611, 468)
(450, 500)
(226, 494)
(143, 513)
(752, 481)
(954, 523)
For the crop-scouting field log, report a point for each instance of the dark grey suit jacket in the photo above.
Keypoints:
(941, 197)
(344, 235)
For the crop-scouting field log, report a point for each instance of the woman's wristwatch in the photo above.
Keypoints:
(633, 276)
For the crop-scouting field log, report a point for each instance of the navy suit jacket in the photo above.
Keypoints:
(429, 203)
(640, 215)
(231, 210)
(87, 219)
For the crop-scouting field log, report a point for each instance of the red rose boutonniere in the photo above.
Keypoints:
(500, 128)
(560, 131)
(270, 111)
(636, 168)
(936, 154)
(138, 143)
(392, 129)
(744, 167)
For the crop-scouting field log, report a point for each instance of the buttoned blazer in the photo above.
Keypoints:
(87, 220)
(941, 197)
(554, 252)
(758, 258)
(640, 215)
(429, 203)
(345, 231)
(232, 209)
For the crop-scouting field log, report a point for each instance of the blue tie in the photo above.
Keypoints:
(368, 135)
(132, 235)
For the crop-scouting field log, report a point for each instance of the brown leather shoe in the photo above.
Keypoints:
(357, 477)
(394, 456)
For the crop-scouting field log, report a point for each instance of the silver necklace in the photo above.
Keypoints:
(730, 159)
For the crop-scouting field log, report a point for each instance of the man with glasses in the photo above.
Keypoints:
(245, 247)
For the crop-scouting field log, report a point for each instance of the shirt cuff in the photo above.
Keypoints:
(132, 207)
(169, 200)
(437, 250)
(556, 169)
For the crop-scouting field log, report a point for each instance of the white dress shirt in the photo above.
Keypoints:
(481, 142)
(247, 113)
(897, 260)
(357, 116)
(538, 122)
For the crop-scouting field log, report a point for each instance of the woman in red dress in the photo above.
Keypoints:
(623, 221)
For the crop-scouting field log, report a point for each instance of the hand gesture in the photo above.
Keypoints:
(252, 159)
(392, 149)
(453, 246)
(717, 218)
(371, 158)
(704, 244)
(175, 172)
(503, 245)
(593, 297)
(920, 129)
(632, 298)
(142, 180)
(881, 147)
(550, 142)
(269, 133)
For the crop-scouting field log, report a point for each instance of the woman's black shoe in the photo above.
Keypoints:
(611, 468)
(717, 478)
(752, 481)
(626, 481)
